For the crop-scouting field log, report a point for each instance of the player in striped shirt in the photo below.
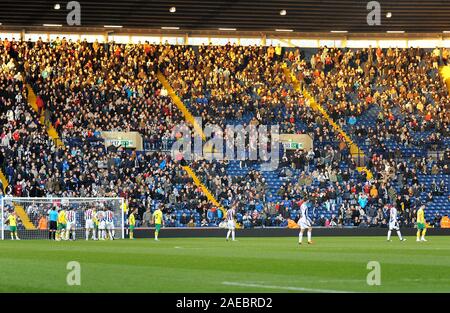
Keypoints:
(89, 215)
(71, 224)
(100, 216)
(109, 223)
(304, 222)
(231, 225)
(393, 224)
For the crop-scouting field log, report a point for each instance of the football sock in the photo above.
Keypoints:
(424, 231)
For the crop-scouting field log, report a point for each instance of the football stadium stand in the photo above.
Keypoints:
(379, 120)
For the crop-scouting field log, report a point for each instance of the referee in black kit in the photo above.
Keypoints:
(52, 218)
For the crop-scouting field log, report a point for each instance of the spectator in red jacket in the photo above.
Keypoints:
(39, 104)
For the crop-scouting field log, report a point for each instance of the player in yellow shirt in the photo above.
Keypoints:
(421, 224)
(12, 221)
(95, 221)
(62, 224)
(132, 223)
(125, 206)
(158, 220)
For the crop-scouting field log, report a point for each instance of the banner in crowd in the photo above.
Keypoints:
(131, 140)
(296, 141)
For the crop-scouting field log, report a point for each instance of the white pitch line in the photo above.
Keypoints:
(189, 248)
(283, 287)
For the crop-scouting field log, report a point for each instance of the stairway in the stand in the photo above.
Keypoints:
(356, 151)
(190, 119)
(51, 131)
(18, 208)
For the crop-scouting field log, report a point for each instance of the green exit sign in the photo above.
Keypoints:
(122, 142)
(293, 145)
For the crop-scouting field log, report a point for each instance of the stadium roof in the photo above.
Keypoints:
(309, 16)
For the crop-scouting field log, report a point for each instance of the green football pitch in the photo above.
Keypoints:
(331, 264)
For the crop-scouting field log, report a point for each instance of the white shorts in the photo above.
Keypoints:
(109, 225)
(231, 225)
(102, 225)
(70, 225)
(393, 226)
(89, 224)
(304, 224)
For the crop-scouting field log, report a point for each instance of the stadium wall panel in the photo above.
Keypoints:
(255, 232)
(279, 232)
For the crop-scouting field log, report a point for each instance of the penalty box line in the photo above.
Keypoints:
(283, 287)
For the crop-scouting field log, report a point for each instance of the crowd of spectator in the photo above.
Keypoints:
(85, 88)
